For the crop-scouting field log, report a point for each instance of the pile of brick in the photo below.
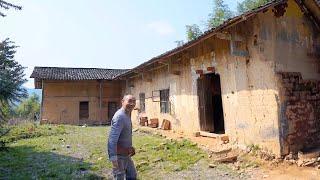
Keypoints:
(165, 125)
(154, 123)
(301, 110)
(143, 121)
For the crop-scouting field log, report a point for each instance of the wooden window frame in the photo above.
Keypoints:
(142, 102)
(164, 101)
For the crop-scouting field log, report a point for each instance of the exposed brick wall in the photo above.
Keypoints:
(301, 112)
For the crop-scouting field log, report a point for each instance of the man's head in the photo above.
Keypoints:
(128, 102)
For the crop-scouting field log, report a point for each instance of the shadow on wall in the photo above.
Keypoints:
(26, 162)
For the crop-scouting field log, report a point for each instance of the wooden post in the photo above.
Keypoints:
(42, 98)
(100, 103)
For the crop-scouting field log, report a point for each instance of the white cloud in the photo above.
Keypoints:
(161, 27)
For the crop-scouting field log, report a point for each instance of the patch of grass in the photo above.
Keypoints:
(31, 130)
(164, 155)
(254, 148)
(73, 152)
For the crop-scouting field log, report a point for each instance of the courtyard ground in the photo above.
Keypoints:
(75, 152)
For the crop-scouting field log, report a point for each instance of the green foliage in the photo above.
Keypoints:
(193, 31)
(247, 5)
(29, 108)
(11, 77)
(220, 13)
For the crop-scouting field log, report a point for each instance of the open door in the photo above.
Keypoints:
(210, 104)
(83, 112)
(112, 108)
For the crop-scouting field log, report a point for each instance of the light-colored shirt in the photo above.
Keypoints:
(120, 133)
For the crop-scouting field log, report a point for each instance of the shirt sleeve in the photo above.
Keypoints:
(116, 128)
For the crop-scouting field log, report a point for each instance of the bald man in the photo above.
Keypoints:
(120, 147)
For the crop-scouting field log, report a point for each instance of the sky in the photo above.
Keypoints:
(117, 34)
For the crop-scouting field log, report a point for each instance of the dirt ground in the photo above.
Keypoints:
(258, 168)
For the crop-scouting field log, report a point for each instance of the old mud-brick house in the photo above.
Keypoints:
(255, 78)
(78, 95)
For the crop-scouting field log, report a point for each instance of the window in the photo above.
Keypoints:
(164, 101)
(142, 98)
(84, 110)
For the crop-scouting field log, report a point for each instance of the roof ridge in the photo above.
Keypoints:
(78, 68)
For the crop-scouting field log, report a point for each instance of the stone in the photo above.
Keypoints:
(196, 134)
(309, 163)
(224, 138)
(228, 159)
(68, 146)
(212, 165)
(300, 162)
(158, 159)
(265, 176)
(222, 151)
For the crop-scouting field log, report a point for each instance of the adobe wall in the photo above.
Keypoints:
(61, 100)
(278, 40)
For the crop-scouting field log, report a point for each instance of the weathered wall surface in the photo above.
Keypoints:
(280, 39)
(292, 42)
(301, 112)
(183, 100)
(61, 100)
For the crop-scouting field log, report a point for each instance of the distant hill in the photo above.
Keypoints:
(36, 91)
(30, 92)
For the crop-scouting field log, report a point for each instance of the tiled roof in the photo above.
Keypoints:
(63, 73)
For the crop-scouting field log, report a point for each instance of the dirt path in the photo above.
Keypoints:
(264, 170)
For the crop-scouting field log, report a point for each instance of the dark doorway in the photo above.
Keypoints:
(210, 104)
(83, 111)
(112, 108)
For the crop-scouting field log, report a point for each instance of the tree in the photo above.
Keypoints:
(221, 13)
(193, 32)
(6, 5)
(247, 5)
(179, 43)
(11, 78)
(29, 108)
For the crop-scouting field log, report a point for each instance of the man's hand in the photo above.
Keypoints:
(115, 164)
(132, 151)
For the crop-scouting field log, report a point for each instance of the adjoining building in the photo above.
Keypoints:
(255, 78)
(78, 95)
